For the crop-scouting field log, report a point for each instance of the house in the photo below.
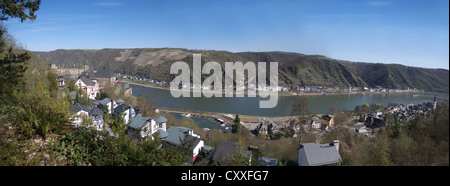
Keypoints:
(105, 77)
(78, 110)
(97, 118)
(147, 125)
(60, 78)
(160, 124)
(69, 72)
(178, 136)
(126, 111)
(90, 87)
(144, 124)
(263, 161)
(225, 151)
(361, 129)
(96, 114)
(328, 119)
(262, 129)
(120, 101)
(312, 154)
(362, 117)
(108, 103)
(73, 95)
(373, 122)
(314, 123)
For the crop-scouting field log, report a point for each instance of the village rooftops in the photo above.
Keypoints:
(263, 161)
(327, 117)
(87, 82)
(96, 112)
(138, 122)
(162, 134)
(105, 101)
(161, 119)
(73, 94)
(121, 108)
(120, 101)
(105, 73)
(177, 135)
(312, 154)
(78, 107)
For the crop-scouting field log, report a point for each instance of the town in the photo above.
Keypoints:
(295, 90)
(366, 121)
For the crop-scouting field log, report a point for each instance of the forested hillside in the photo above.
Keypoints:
(294, 68)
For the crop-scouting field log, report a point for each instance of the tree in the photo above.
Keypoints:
(145, 106)
(70, 84)
(237, 124)
(24, 10)
(12, 67)
(340, 119)
(375, 107)
(357, 109)
(365, 107)
(12, 64)
(300, 108)
(269, 130)
(333, 110)
(82, 98)
(41, 114)
(394, 122)
(241, 156)
(52, 83)
(86, 121)
(118, 125)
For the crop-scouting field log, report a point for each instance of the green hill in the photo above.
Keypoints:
(293, 68)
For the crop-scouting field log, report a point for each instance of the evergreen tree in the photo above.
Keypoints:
(241, 156)
(13, 64)
(237, 124)
(24, 10)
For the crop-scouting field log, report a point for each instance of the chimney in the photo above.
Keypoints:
(336, 144)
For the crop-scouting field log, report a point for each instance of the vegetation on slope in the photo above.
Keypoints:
(293, 68)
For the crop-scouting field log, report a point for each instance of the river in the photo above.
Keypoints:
(250, 105)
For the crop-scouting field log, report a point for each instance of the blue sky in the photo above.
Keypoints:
(408, 32)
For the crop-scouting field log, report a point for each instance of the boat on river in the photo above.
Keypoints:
(188, 115)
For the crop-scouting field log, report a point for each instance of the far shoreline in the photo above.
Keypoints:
(289, 93)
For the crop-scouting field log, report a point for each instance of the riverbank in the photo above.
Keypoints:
(281, 93)
(227, 117)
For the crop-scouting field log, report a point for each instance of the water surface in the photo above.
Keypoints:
(250, 105)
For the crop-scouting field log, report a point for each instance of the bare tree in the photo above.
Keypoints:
(300, 107)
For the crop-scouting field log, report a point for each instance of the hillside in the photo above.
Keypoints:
(294, 68)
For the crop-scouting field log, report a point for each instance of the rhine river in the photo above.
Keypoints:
(318, 104)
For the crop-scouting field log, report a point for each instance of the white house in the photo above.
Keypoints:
(126, 111)
(144, 124)
(78, 110)
(315, 123)
(183, 136)
(97, 118)
(160, 124)
(90, 87)
(108, 103)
